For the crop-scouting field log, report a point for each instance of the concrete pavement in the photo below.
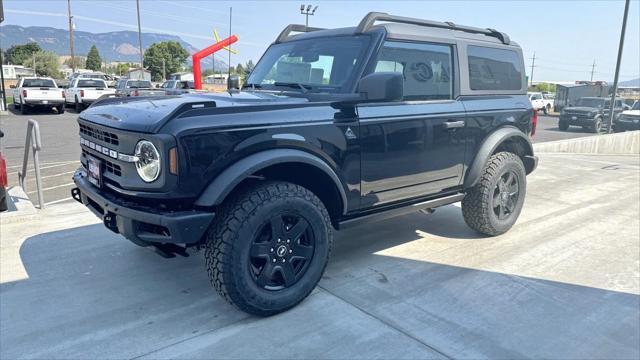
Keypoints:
(563, 283)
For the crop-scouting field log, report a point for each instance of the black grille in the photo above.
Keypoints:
(101, 135)
(113, 168)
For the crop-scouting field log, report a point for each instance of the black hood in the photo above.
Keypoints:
(581, 109)
(147, 114)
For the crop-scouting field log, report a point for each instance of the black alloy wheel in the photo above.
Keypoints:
(505, 195)
(281, 252)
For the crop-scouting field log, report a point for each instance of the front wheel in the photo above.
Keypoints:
(493, 205)
(268, 247)
(563, 125)
(597, 126)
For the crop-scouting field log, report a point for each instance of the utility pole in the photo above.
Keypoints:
(73, 62)
(593, 67)
(164, 70)
(230, 17)
(140, 42)
(533, 65)
(34, 64)
(615, 79)
(306, 12)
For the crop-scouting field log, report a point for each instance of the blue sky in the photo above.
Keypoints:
(567, 36)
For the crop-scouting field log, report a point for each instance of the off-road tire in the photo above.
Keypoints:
(597, 125)
(476, 206)
(78, 106)
(230, 236)
(24, 109)
(563, 125)
(16, 105)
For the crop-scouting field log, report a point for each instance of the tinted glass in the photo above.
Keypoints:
(591, 102)
(323, 64)
(90, 83)
(38, 83)
(138, 84)
(426, 68)
(494, 69)
(636, 106)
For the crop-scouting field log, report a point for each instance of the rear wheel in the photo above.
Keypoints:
(24, 109)
(563, 125)
(546, 109)
(78, 106)
(493, 205)
(16, 105)
(60, 109)
(268, 247)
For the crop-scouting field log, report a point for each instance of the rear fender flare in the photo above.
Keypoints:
(489, 146)
(217, 191)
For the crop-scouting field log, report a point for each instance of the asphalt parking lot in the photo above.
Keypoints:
(563, 283)
(61, 149)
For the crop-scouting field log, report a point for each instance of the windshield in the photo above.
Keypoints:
(138, 84)
(636, 106)
(38, 83)
(317, 65)
(590, 102)
(91, 83)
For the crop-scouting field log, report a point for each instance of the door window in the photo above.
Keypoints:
(426, 68)
(494, 69)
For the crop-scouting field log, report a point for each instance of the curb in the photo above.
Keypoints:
(20, 207)
(626, 143)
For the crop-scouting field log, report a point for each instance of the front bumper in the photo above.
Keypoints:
(141, 224)
(626, 125)
(48, 102)
(578, 120)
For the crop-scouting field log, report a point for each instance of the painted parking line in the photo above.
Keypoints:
(58, 201)
(52, 187)
(46, 167)
(50, 176)
(46, 164)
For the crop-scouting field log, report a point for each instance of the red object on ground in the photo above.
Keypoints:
(197, 72)
(3, 172)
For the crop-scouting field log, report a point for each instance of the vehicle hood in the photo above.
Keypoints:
(631, 113)
(148, 114)
(581, 109)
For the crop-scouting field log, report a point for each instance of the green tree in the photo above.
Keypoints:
(46, 63)
(17, 54)
(122, 68)
(249, 66)
(78, 60)
(173, 54)
(93, 59)
(240, 70)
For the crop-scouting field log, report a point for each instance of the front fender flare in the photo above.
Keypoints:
(488, 147)
(223, 184)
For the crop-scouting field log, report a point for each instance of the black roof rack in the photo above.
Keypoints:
(369, 20)
(294, 27)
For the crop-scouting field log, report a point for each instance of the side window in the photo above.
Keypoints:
(494, 69)
(426, 68)
(618, 103)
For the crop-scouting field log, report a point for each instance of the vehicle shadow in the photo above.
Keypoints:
(33, 111)
(89, 293)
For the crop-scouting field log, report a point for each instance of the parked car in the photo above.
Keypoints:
(108, 79)
(592, 113)
(129, 87)
(32, 92)
(628, 119)
(540, 101)
(84, 91)
(333, 128)
(178, 87)
(567, 95)
(3, 180)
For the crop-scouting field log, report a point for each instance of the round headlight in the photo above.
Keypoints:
(148, 163)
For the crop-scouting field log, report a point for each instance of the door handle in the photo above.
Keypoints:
(454, 124)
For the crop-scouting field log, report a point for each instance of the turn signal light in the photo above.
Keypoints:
(24, 93)
(81, 93)
(173, 161)
(534, 123)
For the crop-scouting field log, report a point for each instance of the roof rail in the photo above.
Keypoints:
(369, 20)
(294, 27)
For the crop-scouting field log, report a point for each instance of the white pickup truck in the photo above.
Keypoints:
(540, 101)
(84, 91)
(31, 92)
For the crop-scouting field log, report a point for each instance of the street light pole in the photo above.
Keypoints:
(140, 41)
(615, 79)
(306, 12)
(73, 62)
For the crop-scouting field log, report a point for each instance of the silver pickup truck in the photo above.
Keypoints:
(130, 87)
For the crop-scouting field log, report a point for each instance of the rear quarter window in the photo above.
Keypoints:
(494, 69)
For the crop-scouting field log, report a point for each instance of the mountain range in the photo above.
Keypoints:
(112, 46)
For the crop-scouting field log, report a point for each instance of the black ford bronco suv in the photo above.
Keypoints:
(331, 129)
(592, 113)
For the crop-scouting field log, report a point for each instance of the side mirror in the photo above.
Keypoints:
(233, 83)
(382, 87)
(12, 86)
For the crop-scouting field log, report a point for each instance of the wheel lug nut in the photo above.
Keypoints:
(274, 260)
(290, 251)
(271, 250)
(278, 240)
(288, 241)
(283, 260)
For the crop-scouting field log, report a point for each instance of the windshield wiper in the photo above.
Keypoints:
(304, 88)
(252, 86)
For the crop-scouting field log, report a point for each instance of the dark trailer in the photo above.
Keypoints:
(567, 95)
